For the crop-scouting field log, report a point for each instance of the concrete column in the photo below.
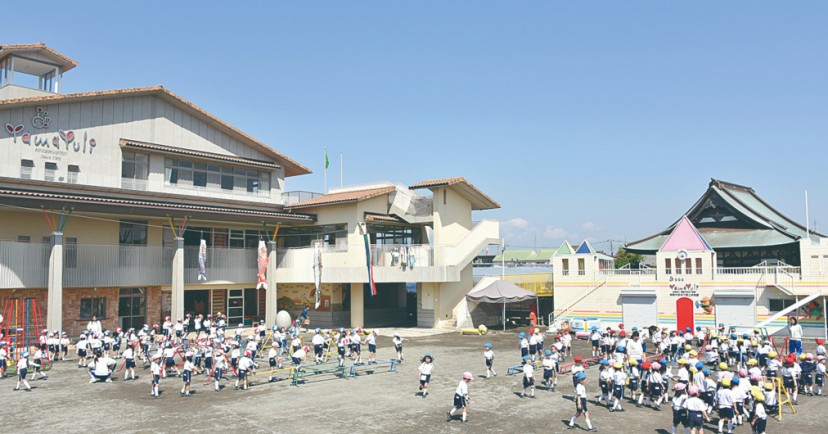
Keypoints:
(54, 298)
(271, 294)
(177, 300)
(357, 305)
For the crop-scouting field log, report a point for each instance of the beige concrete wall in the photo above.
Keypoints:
(452, 217)
(143, 118)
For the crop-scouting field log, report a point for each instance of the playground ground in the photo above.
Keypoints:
(380, 402)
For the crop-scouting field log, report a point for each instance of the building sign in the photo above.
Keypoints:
(680, 288)
(51, 146)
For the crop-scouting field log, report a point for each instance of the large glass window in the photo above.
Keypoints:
(187, 173)
(131, 308)
(134, 169)
(133, 233)
(50, 170)
(90, 307)
(778, 304)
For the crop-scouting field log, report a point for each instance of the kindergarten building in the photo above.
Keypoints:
(106, 198)
(732, 259)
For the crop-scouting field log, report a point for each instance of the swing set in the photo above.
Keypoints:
(21, 326)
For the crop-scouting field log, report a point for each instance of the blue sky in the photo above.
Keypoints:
(598, 120)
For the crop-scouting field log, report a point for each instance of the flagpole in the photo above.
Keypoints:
(340, 170)
(325, 176)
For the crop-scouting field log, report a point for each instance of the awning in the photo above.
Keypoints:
(502, 291)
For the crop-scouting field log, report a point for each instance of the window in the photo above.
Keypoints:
(133, 233)
(236, 238)
(131, 307)
(565, 266)
(581, 267)
(668, 265)
(24, 239)
(49, 173)
(72, 177)
(70, 253)
(186, 173)
(698, 265)
(778, 304)
(678, 266)
(90, 307)
(134, 170)
(688, 267)
(26, 168)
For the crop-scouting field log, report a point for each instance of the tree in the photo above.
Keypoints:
(623, 257)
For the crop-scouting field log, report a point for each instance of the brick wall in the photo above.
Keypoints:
(72, 322)
(153, 303)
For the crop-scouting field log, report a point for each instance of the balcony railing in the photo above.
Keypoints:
(223, 264)
(758, 270)
(114, 265)
(24, 265)
(403, 256)
(628, 272)
(291, 197)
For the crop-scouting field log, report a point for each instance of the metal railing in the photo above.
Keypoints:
(393, 255)
(758, 270)
(627, 272)
(115, 265)
(223, 264)
(24, 265)
(291, 197)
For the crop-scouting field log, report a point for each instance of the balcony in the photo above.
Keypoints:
(291, 197)
(24, 265)
(114, 265)
(223, 265)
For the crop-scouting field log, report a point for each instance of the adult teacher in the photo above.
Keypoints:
(795, 339)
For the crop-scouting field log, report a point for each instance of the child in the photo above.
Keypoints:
(656, 385)
(64, 346)
(22, 367)
(619, 380)
(356, 346)
(524, 345)
(274, 361)
(820, 374)
(39, 356)
(80, 349)
(550, 369)
(342, 343)
(298, 357)
(528, 377)
(461, 397)
(808, 367)
(425, 370)
(371, 340)
(533, 344)
(566, 341)
(770, 398)
(635, 378)
(595, 338)
(760, 416)
(577, 368)
(220, 366)
(581, 402)
(398, 341)
(726, 405)
(738, 399)
(129, 362)
(695, 411)
(155, 370)
(188, 373)
(246, 366)
(604, 378)
(646, 373)
(488, 356)
(3, 355)
(318, 342)
(679, 408)
(789, 378)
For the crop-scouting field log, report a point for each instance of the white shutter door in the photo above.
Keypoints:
(735, 312)
(639, 311)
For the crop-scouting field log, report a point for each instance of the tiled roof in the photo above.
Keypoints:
(480, 200)
(67, 62)
(65, 197)
(206, 155)
(382, 218)
(292, 168)
(342, 197)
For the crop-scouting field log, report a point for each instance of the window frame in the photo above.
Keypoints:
(96, 307)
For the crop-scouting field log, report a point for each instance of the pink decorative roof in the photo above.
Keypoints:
(685, 237)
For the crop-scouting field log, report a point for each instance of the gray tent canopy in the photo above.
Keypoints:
(501, 291)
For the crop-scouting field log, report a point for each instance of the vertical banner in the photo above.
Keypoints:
(317, 272)
(262, 262)
(202, 261)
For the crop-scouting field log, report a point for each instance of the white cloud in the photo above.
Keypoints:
(556, 233)
(588, 226)
(517, 222)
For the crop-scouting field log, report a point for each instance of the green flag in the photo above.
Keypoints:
(327, 162)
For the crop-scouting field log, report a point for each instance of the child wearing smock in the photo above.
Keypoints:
(488, 357)
(22, 370)
(678, 404)
(580, 402)
(424, 371)
(155, 371)
(619, 381)
(550, 370)
(695, 411)
(188, 373)
(524, 345)
(528, 377)
(461, 397)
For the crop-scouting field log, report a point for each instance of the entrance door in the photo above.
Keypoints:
(235, 307)
(197, 302)
(685, 316)
(131, 308)
(251, 306)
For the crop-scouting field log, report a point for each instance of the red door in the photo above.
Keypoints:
(684, 314)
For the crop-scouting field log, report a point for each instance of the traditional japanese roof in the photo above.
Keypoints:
(292, 168)
(542, 255)
(382, 218)
(478, 199)
(337, 198)
(40, 48)
(730, 216)
(135, 144)
(685, 237)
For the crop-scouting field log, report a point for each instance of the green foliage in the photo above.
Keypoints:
(623, 257)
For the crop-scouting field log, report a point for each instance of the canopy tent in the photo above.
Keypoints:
(500, 291)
